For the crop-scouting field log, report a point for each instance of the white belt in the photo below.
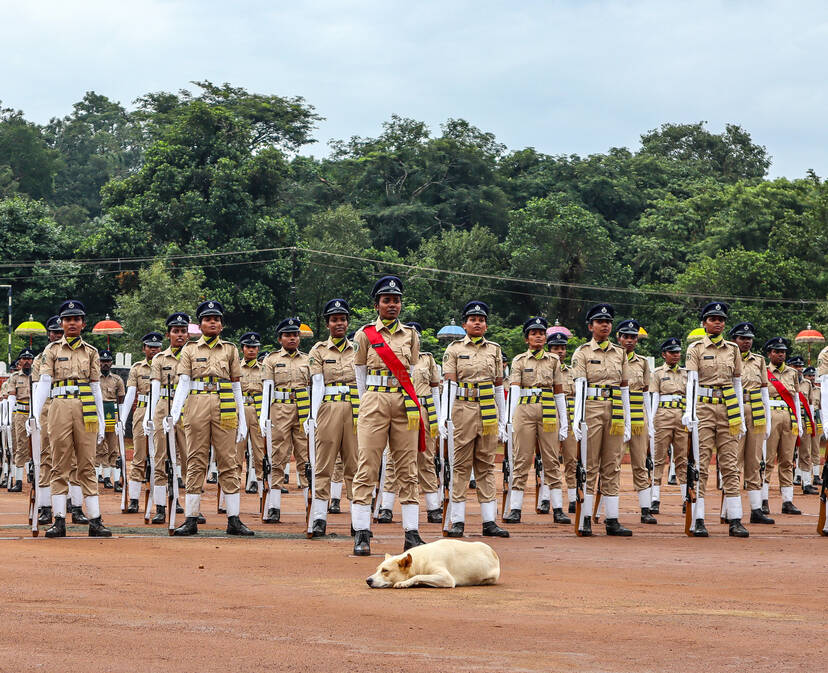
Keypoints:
(375, 380)
(710, 392)
(163, 394)
(280, 395)
(203, 385)
(671, 398)
(143, 398)
(66, 390)
(339, 390)
(599, 392)
(779, 403)
(530, 392)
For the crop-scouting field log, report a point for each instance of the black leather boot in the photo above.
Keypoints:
(586, 528)
(434, 516)
(385, 516)
(571, 508)
(758, 516)
(107, 482)
(333, 506)
(491, 529)
(699, 529)
(178, 508)
(189, 527)
(672, 480)
(810, 490)
(559, 517)
(353, 533)
(132, 507)
(797, 480)
(100, 479)
(17, 488)
(97, 529)
(58, 528)
(117, 487)
(737, 529)
(615, 528)
(252, 487)
(362, 543)
(160, 514)
(512, 517)
(655, 507)
(543, 508)
(200, 519)
(319, 528)
(412, 539)
(236, 527)
(647, 516)
(765, 507)
(45, 517)
(273, 516)
(213, 478)
(78, 515)
(456, 530)
(817, 480)
(789, 508)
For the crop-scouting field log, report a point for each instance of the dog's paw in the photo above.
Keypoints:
(402, 585)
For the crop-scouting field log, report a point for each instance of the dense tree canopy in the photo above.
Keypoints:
(151, 206)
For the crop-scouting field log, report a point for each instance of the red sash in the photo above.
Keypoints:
(807, 407)
(389, 357)
(783, 392)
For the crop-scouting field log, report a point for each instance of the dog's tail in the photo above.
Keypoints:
(495, 574)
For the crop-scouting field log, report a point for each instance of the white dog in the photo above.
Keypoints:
(444, 563)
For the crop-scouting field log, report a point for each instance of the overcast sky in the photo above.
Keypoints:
(563, 77)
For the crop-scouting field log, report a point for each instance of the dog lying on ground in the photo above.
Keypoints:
(445, 563)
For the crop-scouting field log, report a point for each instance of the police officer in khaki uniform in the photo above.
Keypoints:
(113, 391)
(19, 397)
(286, 406)
(138, 386)
(427, 385)
(473, 398)
(537, 420)
(802, 473)
(714, 377)
(251, 380)
(70, 373)
(810, 374)
(208, 381)
(388, 416)
(334, 409)
(822, 377)
(640, 419)
(163, 381)
(602, 401)
(54, 333)
(786, 424)
(669, 385)
(758, 419)
(556, 344)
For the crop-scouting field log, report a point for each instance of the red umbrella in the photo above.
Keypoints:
(109, 327)
(809, 336)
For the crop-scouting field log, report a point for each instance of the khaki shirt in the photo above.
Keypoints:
(139, 377)
(426, 375)
(164, 365)
(251, 378)
(286, 370)
(18, 385)
(600, 367)
(754, 372)
(822, 363)
(639, 371)
(335, 366)
(567, 381)
(815, 395)
(112, 387)
(529, 372)
(788, 377)
(61, 362)
(198, 360)
(668, 382)
(405, 343)
(715, 365)
(473, 363)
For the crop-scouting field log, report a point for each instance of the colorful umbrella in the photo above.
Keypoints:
(642, 333)
(305, 331)
(451, 332)
(557, 327)
(193, 330)
(809, 336)
(30, 328)
(697, 333)
(109, 327)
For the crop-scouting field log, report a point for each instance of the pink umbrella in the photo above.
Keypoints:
(193, 330)
(557, 327)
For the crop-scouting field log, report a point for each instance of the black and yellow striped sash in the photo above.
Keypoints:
(88, 410)
(227, 402)
(486, 400)
(731, 402)
(427, 402)
(617, 413)
(549, 412)
(299, 397)
(352, 397)
(757, 409)
(637, 412)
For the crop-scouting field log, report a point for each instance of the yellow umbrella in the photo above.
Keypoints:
(642, 333)
(30, 328)
(697, 333)
(305, 331)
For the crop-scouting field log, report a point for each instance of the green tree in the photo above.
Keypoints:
(23, 150)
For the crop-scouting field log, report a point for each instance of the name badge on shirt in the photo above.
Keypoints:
(595, 362)
(201, 359)
(665, 378)
(281, 364)
(464, 357)
(63, 359)
(166, 368)
(330, 362)
(528, 370)
(708, 357)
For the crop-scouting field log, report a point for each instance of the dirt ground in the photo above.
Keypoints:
(144, 601)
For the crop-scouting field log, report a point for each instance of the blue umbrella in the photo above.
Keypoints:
(450, 332)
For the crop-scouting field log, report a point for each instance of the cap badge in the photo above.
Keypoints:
(210, 305)
(71, 304)
(718, 307)
(477, 307)
(603, 309)
(391, 283)
(337, 304)
(537, 320)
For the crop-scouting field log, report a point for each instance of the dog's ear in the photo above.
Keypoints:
(387, 556)
(405, 562)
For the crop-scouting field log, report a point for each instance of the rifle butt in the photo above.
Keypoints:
(578, 517)
(821, 518)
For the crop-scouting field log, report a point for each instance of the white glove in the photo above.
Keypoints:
(167, 424)
(306, 426)
(32, 425)
(240, 415)
(766, 403)
(148, 425)
(687, 419)
(625, 401)
(119, 428)
(737, 387)
(578, 418)
(449, 393)
(96, 394)
(264, 414)
(654, 400)
(503, 432)
(563, 418)
(182, 390)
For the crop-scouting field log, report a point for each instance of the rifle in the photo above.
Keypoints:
(671, 474)
(172, 477)
(508, 466)
(381, 484)
(720, 484)
(34, 469)
(580, 470)
(823, 500)
(4, 456)
(597, 501)
(448, 464)
(149, 475)
(310, 476)
(692, 465)
(538, 479)
(251, 466)
(267, 471)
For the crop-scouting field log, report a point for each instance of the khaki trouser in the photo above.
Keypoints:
(806, 452)
(816, 442)
(70, 441)
(140, 447)
(669, 430)
(257, 442)
(383, 421)
(107, 451)
(639, 446)
(569, 456)
(427, 477)
(339, 474)
(603, 449)
(780, 447)
(750, 451)
(203, 429)
(472, 449)
(336, 440)
(45, 447)
(160, 441)
(22, 452)
(529, 435)
(288, 437)
(714, 434)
